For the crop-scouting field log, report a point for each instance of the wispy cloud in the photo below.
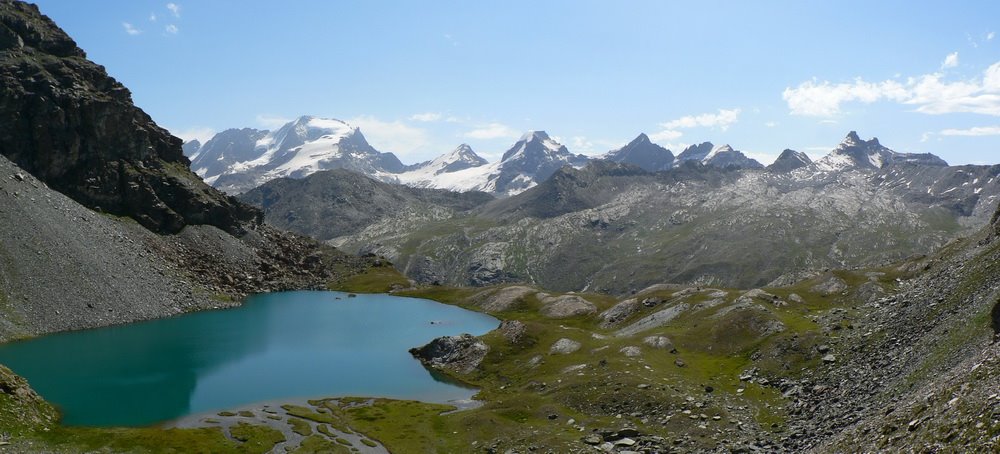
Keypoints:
(723, 119)
(152, 17)
(426, 117)
(451, 39)
(665, 135)
(269, 121)
(175, 9)
(771, 124)
(171, 29)
(928, 93)
(130, 29)
(671, 130)
(974, 131)
(950, 61)
(587, 146)
(990, 36)
(492, 131)
(394, 136)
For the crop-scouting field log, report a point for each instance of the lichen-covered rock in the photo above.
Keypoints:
(830, 286)
(565, 306)
(461, 354)
(631, 351)
(659, 342)
(512, 330)
(619, 312)
(501, 300)
(564, 346)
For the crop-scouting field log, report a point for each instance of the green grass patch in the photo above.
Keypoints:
(379, 279)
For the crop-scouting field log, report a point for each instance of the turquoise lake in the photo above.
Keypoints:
(290, 345)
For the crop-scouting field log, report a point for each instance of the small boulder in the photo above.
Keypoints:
(631, 351)
(829, 359)
(512, 330)
(659, 342)
(564, 346)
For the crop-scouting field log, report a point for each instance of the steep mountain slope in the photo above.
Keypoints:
(52, 98)
(790, 160)
(616, 228)
(335, 203)
(139, 234)
(224, 150)
(643, 153)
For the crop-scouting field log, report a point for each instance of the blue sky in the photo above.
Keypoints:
(419, 78)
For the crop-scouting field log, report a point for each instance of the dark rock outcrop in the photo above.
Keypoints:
(461, 354)
(64, 120)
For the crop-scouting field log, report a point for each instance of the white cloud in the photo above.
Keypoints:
(990, 36)
(671, 129)
(665, 135)
(722, 120)
(823, 99)
(202, 134)
(426, 116)
(271, 121)
(152, 17)
(771, 124)
(492, 131)
(395, 136)
(584, 145)
(928, 93)
(172, 29)
(950, 61)
(130, 29)
(175, 9)
(974, 131)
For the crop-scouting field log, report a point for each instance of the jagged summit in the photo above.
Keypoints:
(695, 152)
(856, 153)
(790, 160)
(643, 153)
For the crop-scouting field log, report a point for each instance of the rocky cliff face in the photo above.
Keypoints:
(63, 119)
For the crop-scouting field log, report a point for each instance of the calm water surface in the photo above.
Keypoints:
(276, 346)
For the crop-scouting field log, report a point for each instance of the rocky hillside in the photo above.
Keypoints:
(615, 228)
(335, 203)
(64, 120)
(101, 221)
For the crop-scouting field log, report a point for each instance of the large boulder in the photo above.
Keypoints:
(619, 312)
(461, 354)
(565, 306)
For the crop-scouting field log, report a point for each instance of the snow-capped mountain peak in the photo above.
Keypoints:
(856, 153)
(716, 151)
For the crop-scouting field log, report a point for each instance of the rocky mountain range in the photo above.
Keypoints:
(615, 227)
(237, 160)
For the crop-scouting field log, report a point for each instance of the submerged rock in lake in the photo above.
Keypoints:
(460, 354)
